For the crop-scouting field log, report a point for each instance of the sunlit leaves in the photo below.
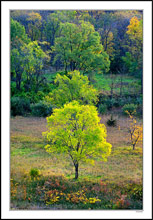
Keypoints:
(79, 47)
(34, 25)
(76, 130)
(135, 29)
(73, 87)
(134, 58)
(18, 35)
(136, 131)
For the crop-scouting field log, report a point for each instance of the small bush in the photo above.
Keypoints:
(121, 101)
(102, 109)
(110, 103)
(139, 100)
(33, 96)
(41, 109)
(20, 106)
(111, 122)
(135, 190)
(34, 173)
(140, 110)
(129, 108)
(13, 89)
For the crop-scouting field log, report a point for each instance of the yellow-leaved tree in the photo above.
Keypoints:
(76, 130)
(135, 130)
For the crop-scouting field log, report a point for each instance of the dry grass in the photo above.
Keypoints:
(27, 151)
(119, 173)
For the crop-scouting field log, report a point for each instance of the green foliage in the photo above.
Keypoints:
(72, 87)
(34, 25)
(18, 34)
(102, 108)
(51, 28)
(41, 109)
(33, 57)
(76, 130)
(130, 108)
(13, 89)
(139, 100)
(32, 62)
(110, 103)
(79, 47)
(34, 173)
(18, 39)
(32, 96)
(19, 106)
(134, 57)
(111, 121)
(135, 190)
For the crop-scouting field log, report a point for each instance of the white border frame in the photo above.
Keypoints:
(146, 6)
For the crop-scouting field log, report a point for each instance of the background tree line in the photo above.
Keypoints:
(92, 42)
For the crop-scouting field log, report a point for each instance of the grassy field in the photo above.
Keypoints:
(130, 84)
(115, 184)
(103, 83)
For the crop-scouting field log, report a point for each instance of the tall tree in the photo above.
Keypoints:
(18, 34)
(79, 47)
(18, 39)
(51, 28)
(33, 61)
(134, 57)
(76, 130)
(34, 25)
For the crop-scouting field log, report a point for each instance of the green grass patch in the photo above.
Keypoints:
(103, 82)
(127, 151)
(25, 139)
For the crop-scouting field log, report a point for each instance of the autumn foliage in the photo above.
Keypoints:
(136, 131)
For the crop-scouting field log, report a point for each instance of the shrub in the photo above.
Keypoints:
(102, 109)
(111, 121)
(20, 106)
(139, 100)
(102, 98)
(33, 96)
(136, 132)
(135, 190)
(13, 89)
(129, 109)
(41, 109)
(140, 110)
(34, 173)
(110, 103)
(120, 101)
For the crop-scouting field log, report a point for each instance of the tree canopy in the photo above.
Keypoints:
(74, 86)
(76, 130)
(79, 47)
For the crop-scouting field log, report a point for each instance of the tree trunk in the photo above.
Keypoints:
(18, 81)
(121, 86)
(76, 170)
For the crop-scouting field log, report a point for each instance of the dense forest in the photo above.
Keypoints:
(96, 43)
(83, 70)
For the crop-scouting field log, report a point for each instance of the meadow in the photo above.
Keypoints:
(103, 82)
(115, 184)
(76, 66)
